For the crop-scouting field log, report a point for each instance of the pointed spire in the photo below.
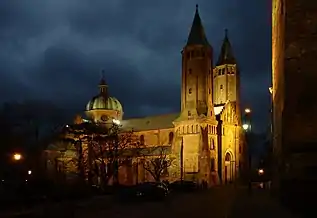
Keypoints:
(197, 34)
(226, 55)
(103, 87)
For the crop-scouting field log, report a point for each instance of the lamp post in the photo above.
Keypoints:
(247, 128)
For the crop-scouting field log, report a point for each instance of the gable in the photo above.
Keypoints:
(229, 113)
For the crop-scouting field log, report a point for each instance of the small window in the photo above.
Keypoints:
(282, 7)
(189, 113)
(190, 71)
(209, 91)
(223, 71)
(240, 149)
(142, 139)
(190, 91)
(221, 86)
(212, 144)
(188, 55)
(170, 137)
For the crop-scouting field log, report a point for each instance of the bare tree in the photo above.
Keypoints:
(110, 150)
(77, 135)
(157, 164)
(107, 148)
(25, 127)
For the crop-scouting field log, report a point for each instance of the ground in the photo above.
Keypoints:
(222, 202)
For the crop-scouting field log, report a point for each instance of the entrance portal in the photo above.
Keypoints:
(229, 167)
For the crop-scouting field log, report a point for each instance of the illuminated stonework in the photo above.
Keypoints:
(205, 139)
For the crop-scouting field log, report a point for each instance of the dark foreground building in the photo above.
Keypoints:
(294, 64)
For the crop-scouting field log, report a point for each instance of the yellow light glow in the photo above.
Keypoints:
(29, 172)
(116, 121)
(245, 126)
(247, 110)
(271, 90)
(261, 171)
(17, 156)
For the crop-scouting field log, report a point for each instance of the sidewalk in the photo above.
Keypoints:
(51, 208)
(258, 204)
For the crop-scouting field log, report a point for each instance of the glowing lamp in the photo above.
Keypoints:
(116, 121)
(245, 126)
(247, 110)
(261, 171)
(17, 156)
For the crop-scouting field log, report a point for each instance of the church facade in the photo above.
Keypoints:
(205, 139)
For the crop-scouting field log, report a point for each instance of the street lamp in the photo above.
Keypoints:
(247, 110)
(245, 126)
(115, 121)
(17, 157)
(29, 172)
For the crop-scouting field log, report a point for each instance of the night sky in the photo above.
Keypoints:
(55, 49)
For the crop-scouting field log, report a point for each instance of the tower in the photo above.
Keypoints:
(226, 78)
(196, 96)
(196, 125)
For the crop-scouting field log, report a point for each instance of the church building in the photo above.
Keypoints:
(205, 137)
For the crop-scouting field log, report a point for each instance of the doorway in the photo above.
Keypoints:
(229, 167)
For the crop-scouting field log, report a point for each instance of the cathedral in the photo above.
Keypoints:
(205, 139)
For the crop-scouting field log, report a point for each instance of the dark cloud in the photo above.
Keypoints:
(55, 49)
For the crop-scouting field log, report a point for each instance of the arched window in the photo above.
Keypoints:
(170, 137)
(142, 139)
(212, 144)
(228, 157)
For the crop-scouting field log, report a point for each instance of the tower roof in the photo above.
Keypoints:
(226, 54)
(197, 34)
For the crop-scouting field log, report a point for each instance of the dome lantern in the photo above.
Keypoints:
(102, 107)
(103, 87)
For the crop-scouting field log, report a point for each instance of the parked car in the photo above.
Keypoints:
(183, 186)
(152, 191)
(145, 191)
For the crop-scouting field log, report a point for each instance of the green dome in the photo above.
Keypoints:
(101, 102)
